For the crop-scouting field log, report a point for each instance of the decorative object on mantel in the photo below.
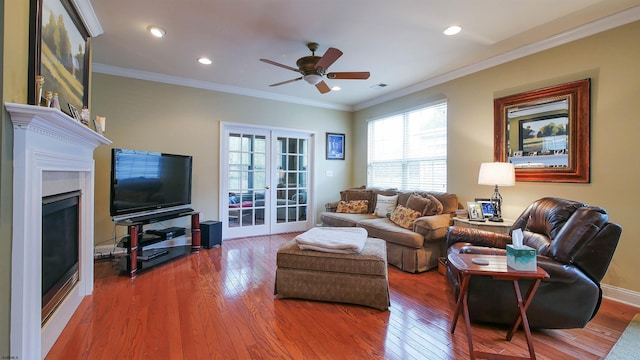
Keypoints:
(48, 96)
(100, 124)
(39, 85)
(545, 133)
(497, 173)
(84, 115)
(74, 112)
(55, 102)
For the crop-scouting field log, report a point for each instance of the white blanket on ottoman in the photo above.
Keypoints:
(340, 240)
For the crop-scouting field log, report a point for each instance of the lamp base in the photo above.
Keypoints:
(496, 219)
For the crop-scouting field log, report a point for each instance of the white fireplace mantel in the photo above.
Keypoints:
(46, 139)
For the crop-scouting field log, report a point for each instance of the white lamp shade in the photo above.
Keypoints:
(497, 173)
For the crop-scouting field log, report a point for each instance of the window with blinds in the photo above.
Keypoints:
(408, 151)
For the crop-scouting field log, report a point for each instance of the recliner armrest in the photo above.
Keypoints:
(477, 237)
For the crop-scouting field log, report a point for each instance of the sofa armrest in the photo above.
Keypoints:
(425, 224)
(331, 206)
(477, 237)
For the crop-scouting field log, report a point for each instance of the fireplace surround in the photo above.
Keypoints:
(48, 146)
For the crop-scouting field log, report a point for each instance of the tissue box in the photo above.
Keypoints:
(521, 258)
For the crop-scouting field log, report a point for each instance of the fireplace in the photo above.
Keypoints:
(60, 248)
(52, 154)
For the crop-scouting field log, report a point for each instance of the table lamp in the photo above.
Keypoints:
(497, 173)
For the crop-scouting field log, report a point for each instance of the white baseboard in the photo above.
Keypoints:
(625, 296)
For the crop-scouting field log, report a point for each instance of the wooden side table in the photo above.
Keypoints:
(498, 270)
(499, 227)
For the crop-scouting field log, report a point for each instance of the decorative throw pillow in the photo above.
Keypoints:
(385, 205)
(425, 204)
(433, 207)
(353, 206)
(359, 194)
(404, 217)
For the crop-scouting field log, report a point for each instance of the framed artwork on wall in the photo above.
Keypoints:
(59, 51)
(335, 146)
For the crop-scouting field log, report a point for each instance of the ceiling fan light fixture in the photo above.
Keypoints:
(312, 79)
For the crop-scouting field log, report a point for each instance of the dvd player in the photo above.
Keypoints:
(168, 233)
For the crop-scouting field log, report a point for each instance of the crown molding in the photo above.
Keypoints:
(598, 26)
(88, 16)
(198, 84)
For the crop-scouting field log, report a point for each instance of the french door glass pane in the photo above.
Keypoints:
(292, 164)
(247, 179)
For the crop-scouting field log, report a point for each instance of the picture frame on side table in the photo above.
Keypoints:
(64, 64)
(335, 146)
(475, 211)
(487, 207)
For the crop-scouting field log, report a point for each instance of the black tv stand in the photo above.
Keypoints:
(138, 258)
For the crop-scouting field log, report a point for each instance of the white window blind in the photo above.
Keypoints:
(408, 151)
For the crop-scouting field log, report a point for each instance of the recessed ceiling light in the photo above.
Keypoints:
(204, 61)
(336, 88)
(452, 30)
(156, 31)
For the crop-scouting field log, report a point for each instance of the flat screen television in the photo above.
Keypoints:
(144, 181)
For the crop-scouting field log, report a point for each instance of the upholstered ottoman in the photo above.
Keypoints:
(346, 278)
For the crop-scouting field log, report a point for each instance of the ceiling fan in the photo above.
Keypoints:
(313, 68)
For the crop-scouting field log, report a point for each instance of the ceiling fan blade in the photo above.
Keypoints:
(362, 75)
(280, 65)
(323, 87)
(328, 58)
(286, 82)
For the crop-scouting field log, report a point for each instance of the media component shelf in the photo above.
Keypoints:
(138, 258)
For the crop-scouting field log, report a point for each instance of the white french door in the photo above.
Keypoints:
(265, 181)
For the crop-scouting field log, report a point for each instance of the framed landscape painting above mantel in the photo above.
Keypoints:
(59, 50)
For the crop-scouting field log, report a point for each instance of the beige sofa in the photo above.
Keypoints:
(414, 250)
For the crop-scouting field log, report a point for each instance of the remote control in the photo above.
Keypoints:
(479, 261)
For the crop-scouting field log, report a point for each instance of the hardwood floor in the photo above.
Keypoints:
(219, 304)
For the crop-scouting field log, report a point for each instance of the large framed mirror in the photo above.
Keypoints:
(545, 133)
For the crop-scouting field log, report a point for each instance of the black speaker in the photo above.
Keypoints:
(211, 234)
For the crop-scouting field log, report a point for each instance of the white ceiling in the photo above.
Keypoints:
(400, 42)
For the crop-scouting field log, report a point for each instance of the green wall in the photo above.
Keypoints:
(610, 59)
(154, 116)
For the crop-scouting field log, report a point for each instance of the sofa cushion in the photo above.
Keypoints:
(339, 219)
(360, 194)
(426, 204)
(404, 217)
(385, 205)
(353, 207)
(385, 229)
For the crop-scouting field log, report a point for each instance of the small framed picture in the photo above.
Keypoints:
(74, 112)
(335, 146)
(475, 211)
(487, 207)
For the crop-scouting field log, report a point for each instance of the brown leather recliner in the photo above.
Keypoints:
(575, 243)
